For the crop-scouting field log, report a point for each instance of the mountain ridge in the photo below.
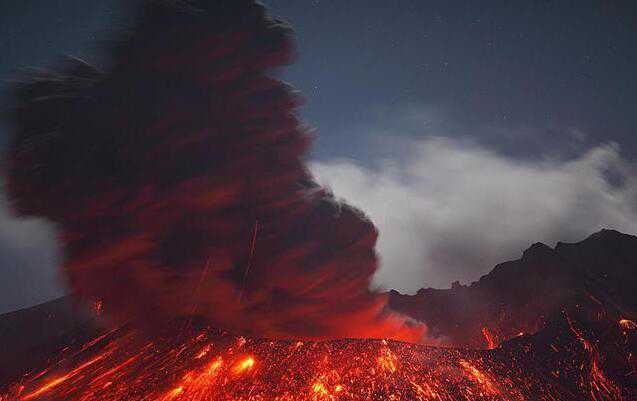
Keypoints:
(520, 296)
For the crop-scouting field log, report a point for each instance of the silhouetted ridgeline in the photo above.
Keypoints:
(591, 277)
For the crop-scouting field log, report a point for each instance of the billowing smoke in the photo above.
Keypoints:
(178, 182)
(449, 210)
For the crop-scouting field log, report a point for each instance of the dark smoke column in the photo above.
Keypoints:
(179, 184)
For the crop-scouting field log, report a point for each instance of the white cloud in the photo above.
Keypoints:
(29, 262)
(450, 210)
(446, 210)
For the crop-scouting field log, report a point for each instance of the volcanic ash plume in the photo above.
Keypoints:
(178, 181)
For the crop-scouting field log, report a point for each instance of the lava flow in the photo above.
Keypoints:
(196, 363)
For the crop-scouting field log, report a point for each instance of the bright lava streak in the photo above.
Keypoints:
(130, 366)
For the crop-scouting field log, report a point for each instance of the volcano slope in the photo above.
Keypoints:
(582, 352)
(188, 361)
(594, 278)
(178, 182)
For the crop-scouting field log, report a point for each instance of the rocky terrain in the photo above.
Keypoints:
(557, 324)
(593, 277)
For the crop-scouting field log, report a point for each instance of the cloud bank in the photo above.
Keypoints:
(29, 258)
(451, 210)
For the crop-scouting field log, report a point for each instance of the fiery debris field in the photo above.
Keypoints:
(205, 364)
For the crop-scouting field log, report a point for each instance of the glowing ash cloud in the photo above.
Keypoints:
(179, 184)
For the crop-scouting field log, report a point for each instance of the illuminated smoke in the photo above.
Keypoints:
(178, 181)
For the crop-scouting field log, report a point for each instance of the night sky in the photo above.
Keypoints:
(507, 85)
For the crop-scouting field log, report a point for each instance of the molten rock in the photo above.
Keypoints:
(207, 365)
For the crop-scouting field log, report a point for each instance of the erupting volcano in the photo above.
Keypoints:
(185, 361)
(221, 269)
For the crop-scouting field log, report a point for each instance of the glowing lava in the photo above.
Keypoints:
(243, 366)
(490, 339)
(627, 324)
(208, 365)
